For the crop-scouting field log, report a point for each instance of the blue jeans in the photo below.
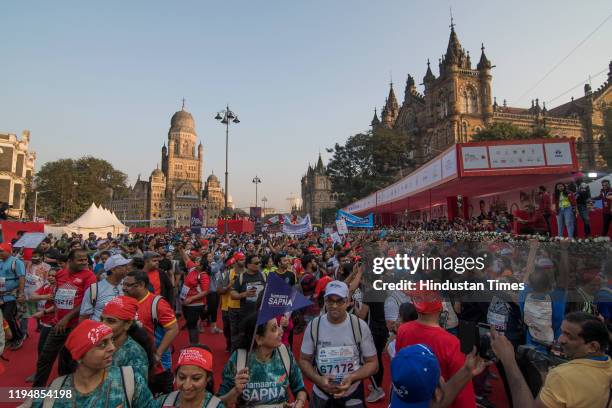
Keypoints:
(565, 218)
(584, 214)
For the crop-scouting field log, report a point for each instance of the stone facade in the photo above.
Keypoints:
(459, 102)
(166, 199)
(316, 192)
(16, 170)
(215, 200)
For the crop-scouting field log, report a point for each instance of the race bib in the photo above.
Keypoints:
(337, 362)
(184, 292)
(64, 298)
(258, 288)
(2, 284)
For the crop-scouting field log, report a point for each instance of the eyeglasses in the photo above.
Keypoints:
(332, 302)
(129, 285)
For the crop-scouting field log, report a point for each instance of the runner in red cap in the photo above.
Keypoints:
(95, 382)
(131, 341)
(193, 380)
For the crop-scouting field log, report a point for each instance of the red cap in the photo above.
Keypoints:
(196, 356)
(314, 250)
(6, 247)
(85, 336)
(204, 242)
(121, 307)
(426, 301)
(239, 256)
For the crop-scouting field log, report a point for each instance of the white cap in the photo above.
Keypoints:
(115, 261)
(337, 288)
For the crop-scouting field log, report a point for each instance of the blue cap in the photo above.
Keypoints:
(415, 374)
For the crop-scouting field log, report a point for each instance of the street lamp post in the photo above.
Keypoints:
(225, 117)
(256, 181)
(36, 193)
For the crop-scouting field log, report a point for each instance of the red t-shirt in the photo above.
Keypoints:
(69, 293)
(190, 286)
(446, 347)
(154, 280)
(321, 285)
(165, 318)
(46, 319)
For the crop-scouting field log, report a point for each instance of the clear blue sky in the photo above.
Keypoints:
(104, 78)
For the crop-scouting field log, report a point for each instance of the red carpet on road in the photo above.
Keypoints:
(22, 363)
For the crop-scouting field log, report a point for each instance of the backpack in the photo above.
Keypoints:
(355, 326)
(156, 300)
(127, 380)
(241, 359)
(93, 294)
(171, 399)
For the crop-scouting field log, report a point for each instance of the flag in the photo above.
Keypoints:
(278, 299)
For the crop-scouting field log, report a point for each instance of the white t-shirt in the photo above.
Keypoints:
(337, 353)
(392, 304)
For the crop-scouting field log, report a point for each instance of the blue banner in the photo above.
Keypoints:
(353, 221)
(278, 299)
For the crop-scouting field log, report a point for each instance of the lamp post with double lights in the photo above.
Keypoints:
(225, 117)
(256, 181)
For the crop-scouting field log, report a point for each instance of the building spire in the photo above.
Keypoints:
(375, 122)
(183, 106)
(429, 76)
(484, 62)
(391, 110)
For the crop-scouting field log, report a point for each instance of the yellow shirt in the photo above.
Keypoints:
(580, 383)
(230, 303)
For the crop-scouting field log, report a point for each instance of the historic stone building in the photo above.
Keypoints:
(167, 198)
(316, 192)
(16, 171)
(459, 102)
(215, 200)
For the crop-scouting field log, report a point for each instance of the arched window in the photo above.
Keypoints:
(469, 103)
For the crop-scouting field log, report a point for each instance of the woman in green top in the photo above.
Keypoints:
(96, 383)
(132, 343)
(264, 376)
(193, 381)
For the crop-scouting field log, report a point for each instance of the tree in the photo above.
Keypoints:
(508, 131)
(67, 187)
(367, 162)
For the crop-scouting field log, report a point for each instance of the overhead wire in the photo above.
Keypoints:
(576, 86)
(558, 64)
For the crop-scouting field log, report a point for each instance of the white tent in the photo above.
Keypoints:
(96, 219)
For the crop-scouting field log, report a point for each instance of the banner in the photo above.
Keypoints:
(353, 221)
(342, 227)
(197, 220)
(304, 227)
(30, 240)
(278, 299)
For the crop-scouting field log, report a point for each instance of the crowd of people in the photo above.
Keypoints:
(109, 310)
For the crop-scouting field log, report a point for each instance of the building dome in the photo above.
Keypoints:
(182, 119)
(157, 173)
(212, 179)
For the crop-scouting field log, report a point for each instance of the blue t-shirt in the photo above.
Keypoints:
(558, 299)
(9, 278)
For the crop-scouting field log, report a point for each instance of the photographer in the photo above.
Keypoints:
(583, 382)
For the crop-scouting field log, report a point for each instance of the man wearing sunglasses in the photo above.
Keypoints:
(247, 288)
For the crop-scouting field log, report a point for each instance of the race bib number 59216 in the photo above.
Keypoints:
(64, 298)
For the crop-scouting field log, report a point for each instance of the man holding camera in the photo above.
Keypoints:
(583, 382)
